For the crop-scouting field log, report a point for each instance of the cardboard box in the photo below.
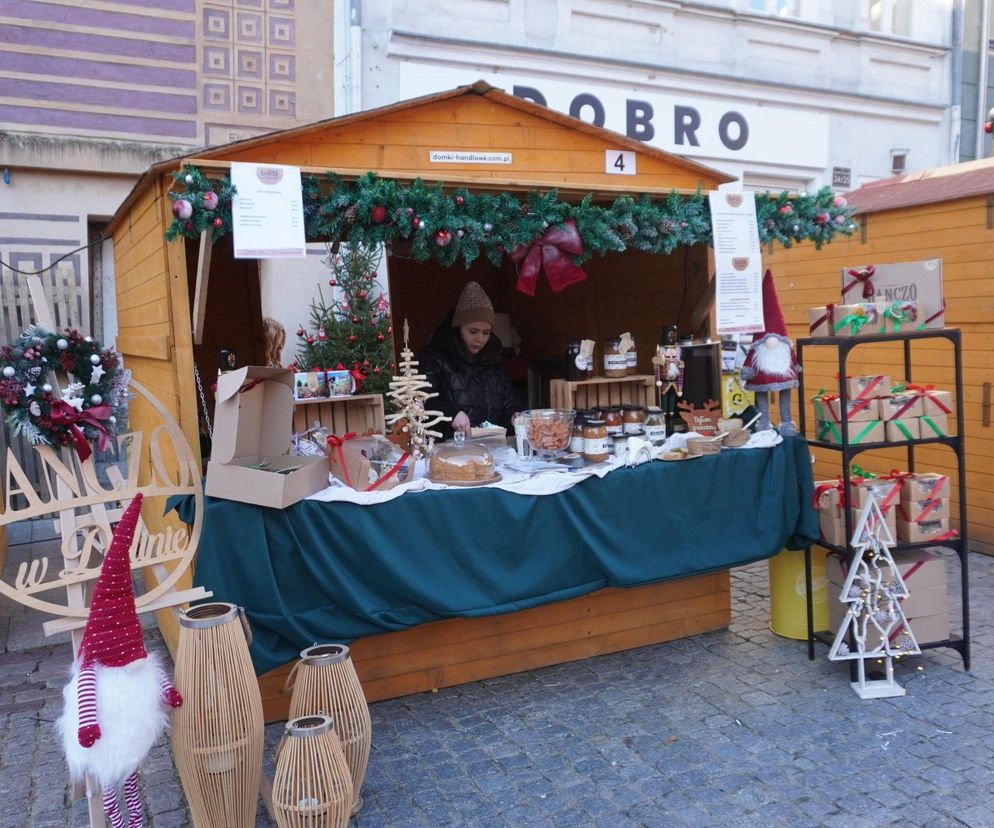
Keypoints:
(890, 518)
(924, 531)
(901, 282)
(252, 428)
(887, 492)
(833, 528)
(925, 486)
(871, 385)
(903, 431)
(900, 406)
(367, 463)
(860, 319)
(821, 321)
(828, 497)
(934, 426)
(828, 407)
(899, 317)
(935, 403)
(859, 433)
(916, 511)
(926, 607)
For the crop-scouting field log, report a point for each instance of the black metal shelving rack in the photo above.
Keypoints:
(844, 346)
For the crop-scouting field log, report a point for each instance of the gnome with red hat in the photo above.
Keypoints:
(116, 701)
(771, 364)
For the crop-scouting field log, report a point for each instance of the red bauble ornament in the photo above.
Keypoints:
(442, 238)
(416, 222)
(379, 214)
(786, 210)
(389, 330)
(362, 294)
(365, 363)
(409, 210)
(380, 337)
(376, 370)
(459, 199)
(188, 227)
(353, 338)
(332, 282)
(310, 340)
(823, 218)
(356, 320)
(989, 127)
(218, 222)
(300, 331)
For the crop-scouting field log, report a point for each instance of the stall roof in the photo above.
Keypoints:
(926, 187)
(303, 139)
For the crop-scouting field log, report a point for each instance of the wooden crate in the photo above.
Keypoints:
(460, 650)
(340, 415)
(636, 389)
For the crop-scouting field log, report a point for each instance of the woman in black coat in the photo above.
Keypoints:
(462, 361)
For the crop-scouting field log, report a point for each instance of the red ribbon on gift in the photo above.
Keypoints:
(553, 252)
(396, 468)
(827, 316)
(862, 276)
(827, 487)
(929, 391)
(357, 375)
(63, 414)
(905, 407)
(336, 442)
(929, 506)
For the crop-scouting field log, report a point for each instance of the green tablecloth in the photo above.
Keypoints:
(319, 572)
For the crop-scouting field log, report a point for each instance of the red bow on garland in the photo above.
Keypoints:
(64, 414)
(864, 275)
(553, 251)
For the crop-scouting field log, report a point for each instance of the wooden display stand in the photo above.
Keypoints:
(635, 389)
(459, 650)
(340, 415)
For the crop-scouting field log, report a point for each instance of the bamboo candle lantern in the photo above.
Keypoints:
(218, 732)
(326, 682)
(313, 784)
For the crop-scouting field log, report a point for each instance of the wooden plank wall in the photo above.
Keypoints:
(469, 649)
(957, 232)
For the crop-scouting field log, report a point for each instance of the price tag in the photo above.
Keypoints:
(618, 162)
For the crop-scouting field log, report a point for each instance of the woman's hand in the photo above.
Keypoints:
(461, 423)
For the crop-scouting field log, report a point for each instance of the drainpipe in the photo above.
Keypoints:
(956, 76)
(985, 25)
(348, 56)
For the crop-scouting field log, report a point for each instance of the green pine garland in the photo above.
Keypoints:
(199, 206)
(459, 224)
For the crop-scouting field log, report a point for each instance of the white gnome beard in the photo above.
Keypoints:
(774, 362)
(131, 716)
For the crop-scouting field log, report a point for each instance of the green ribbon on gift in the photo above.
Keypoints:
(864, 433)
(897, 314)
(858, 471)
(903, 429)
(855, 322)
(898, 389)
(932, 424)
(828, 427)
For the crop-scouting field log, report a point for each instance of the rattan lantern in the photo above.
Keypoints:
(313, 785)
(325, 681)
(218, 732)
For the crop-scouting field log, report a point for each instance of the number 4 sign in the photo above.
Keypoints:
(617, 162)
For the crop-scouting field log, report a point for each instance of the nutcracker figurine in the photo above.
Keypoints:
(669, 375)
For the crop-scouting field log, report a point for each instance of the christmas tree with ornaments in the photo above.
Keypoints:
(353, 331)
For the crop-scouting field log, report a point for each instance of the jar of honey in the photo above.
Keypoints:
(633, 418)
(596, 444)
(612, 420)
(615, 362)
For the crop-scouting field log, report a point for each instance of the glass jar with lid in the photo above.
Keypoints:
(576, 438)
(615, 362)
(632, 417)
(612, 419)
(596, 443)
(577, 365)
(631, 360)
(655, 424)
(461, 462)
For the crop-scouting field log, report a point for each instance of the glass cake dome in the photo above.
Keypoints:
(461, 462)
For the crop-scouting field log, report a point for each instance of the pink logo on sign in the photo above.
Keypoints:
(269, 175)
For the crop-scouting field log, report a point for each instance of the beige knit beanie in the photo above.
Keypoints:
(473, 306)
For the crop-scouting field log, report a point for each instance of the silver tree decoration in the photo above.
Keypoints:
(875, 620)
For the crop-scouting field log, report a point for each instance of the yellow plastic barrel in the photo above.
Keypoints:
(788, 610)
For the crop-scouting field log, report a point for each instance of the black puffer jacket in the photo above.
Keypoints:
(464, 382)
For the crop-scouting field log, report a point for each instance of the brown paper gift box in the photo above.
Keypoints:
(887, 492)
(902, 431)
(924, 531)
(934, 426)
(937, 403)
(821, 321)
(828, 499)
(349, 461)
(870, 385)
(900, 406)
(828, 407)
(890, 518)
(920, 281)
(915, 511)
(833, 529)
(872, 432)
(859, 319)
(925, 486)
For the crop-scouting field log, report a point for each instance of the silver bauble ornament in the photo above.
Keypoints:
(94, 359)
(62, 344)
(47, 388)
(96, 399)
(8, 371)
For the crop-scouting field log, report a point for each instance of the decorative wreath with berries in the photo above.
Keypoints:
(84, 411)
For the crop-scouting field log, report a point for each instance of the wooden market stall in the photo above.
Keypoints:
(157, 281)
(945, 213)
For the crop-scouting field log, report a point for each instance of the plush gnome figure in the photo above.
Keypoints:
(771, 364)
(116, 701)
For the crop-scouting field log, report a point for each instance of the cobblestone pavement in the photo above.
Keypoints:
(733, 728)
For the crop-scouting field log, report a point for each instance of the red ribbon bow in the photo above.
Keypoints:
(898, 475)
(64, 414)
(864, 275)
(357, 375)
(553, 250)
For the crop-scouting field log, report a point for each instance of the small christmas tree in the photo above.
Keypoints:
(353, 331)
(409, 392)
(875, 620)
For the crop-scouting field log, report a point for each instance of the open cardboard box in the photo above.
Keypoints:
(253, 424)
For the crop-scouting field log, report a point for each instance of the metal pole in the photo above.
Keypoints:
(984, 55)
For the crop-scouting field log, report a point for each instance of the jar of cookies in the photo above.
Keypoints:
(596, 443)
(615, 362)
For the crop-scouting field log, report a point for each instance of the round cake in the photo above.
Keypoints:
(461, 468)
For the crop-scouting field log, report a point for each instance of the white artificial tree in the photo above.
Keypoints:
(410, 391)
(875, 620)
